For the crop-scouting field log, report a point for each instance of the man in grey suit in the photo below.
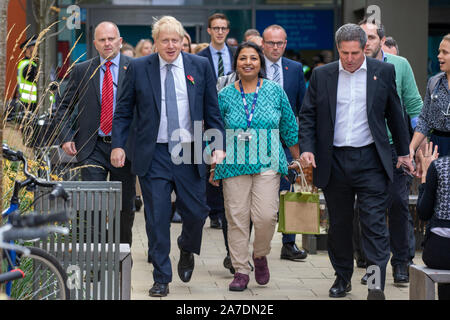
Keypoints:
(91, 93)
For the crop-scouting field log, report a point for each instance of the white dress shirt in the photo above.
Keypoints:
(351, 126)
(184, 117)
(269, 70)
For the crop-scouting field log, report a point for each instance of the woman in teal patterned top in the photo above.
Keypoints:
(256, 114)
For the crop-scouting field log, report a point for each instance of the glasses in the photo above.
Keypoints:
(272, 44)
(218, 29)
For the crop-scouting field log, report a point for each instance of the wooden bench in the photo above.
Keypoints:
(422, 281)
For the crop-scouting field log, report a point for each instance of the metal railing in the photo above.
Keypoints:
(91, 253)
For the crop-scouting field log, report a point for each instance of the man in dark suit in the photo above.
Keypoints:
(174, 93)
(289, 74)
(343, 136)
(220, 57)
(93, 88)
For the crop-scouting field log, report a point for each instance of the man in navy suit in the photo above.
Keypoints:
(174, 93)
(289, 74)
(220, 56)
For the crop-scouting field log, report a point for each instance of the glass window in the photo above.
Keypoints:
(172, 2)
(295, 2)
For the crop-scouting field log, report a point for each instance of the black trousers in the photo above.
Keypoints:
(98, 165)
(436, 255)
(401, 224)
(357, 172)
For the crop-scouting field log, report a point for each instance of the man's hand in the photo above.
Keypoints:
(218, 156)
(118, 157)
(307, 159)
(406, 162)
(69, 148)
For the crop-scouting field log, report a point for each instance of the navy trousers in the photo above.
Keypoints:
(157, 185)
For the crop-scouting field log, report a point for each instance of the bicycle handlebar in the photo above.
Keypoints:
(31, 180)
(31, 233)
(35, 219)
(11, 275)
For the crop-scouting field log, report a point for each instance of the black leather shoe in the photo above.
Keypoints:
(340, 288)
(138, 203)
(215, 223)
(364, 279)
(159, 290)
(185, 265)
(400, 272)
(228, 265)
(290, 251)
(376, 294)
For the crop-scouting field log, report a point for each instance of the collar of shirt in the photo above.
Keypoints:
(270, 63)
(214, 50)
(178, 62)
(383, 56)
(362, 67)
(115, 61)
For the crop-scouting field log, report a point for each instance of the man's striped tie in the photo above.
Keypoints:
(106, 115)
(221, 69)
(276, 73)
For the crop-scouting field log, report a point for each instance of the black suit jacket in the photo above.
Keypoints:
(318, 113)
(81, 104)
(141, 96)
(207, 54)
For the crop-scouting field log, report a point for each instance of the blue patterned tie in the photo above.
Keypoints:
(171, 106)
(276, 73)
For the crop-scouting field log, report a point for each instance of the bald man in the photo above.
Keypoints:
(91, 95)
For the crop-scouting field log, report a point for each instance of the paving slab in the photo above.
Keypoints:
(309, 279)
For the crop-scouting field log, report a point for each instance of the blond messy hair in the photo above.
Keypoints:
(167, 23)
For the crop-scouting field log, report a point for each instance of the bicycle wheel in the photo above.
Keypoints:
(45, 279)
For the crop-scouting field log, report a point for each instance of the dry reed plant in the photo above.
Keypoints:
(24, 132)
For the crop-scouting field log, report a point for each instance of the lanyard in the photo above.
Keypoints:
(247, 113)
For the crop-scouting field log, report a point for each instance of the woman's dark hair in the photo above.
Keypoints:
(249, 44)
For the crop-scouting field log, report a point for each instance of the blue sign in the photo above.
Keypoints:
(306, 29)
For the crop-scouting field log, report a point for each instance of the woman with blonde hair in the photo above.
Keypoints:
(187, 43)
(144, 48)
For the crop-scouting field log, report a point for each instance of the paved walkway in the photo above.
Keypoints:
(306, 280)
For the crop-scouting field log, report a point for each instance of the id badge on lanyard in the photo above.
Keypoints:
(247, 135)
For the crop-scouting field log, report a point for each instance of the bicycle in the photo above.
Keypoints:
(32, 272)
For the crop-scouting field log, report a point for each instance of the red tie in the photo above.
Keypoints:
(106, 116)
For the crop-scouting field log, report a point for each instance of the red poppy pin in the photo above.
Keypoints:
(286, 67)
(191, 79)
